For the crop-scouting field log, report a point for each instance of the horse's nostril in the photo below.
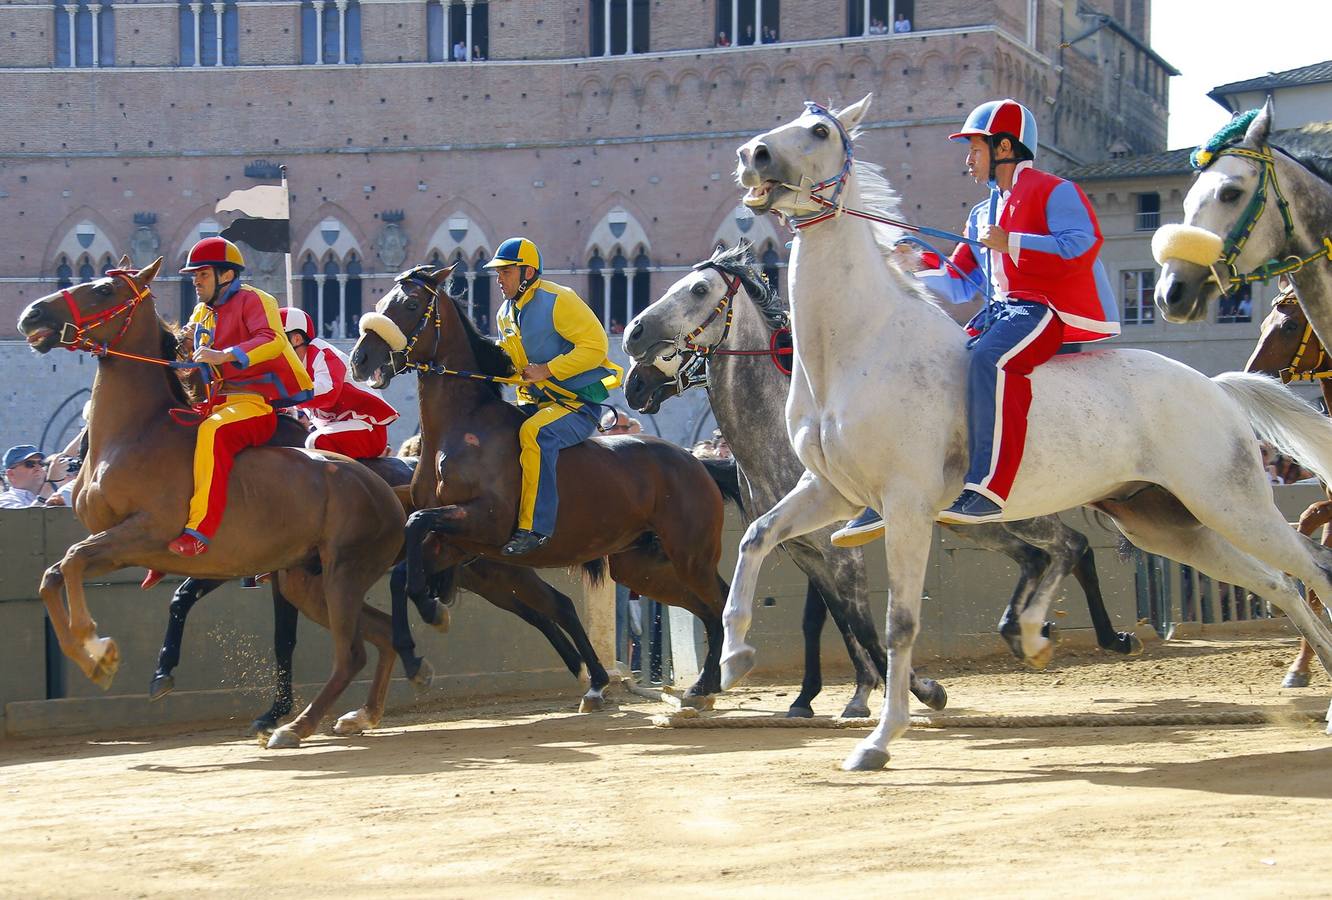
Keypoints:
(761, 156)
(637, 332)
(1173, 293)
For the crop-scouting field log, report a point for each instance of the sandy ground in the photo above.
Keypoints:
(528, 798)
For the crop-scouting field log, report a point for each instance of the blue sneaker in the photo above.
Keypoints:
(861, 530)
(971, 508)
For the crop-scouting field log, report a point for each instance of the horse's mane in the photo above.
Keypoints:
(738, 262)
(877, 195)
(185, 386)
(1309, 146)
(491, 358)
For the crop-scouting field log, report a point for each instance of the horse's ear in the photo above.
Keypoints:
(439, 273)
(1261, 127)
(851, 116)
(125, 262)
(148, 272)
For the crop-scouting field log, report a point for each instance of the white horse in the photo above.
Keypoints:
(1253, 211)
(877, 414)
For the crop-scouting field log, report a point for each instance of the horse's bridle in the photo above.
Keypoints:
(835, 205)
(1318, 370)
(693, 369)
(1226, 276)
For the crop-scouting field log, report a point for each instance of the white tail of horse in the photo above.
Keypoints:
(1282, 419)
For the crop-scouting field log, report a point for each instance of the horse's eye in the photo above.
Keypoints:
(1230, 194)
(412, 305)
(1290, 325)
(820, 130)
(103, 289)
(700, 289)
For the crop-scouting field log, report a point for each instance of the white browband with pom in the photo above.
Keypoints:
(382, 325)
(1187, 243)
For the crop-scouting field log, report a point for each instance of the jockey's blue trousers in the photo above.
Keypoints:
(550, 427)
(1022, 335)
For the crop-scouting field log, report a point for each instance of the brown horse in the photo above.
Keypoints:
(647, 504)
(1289, 349)
(328, 526)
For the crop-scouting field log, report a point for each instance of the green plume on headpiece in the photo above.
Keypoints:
(1232, 132)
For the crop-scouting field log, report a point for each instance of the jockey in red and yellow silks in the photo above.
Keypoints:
(238, 330)
(559, 346)
(347, 418)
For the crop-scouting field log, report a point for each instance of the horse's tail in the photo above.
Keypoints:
(1282, 419)
(727, 477)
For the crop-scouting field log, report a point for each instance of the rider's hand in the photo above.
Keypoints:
(212, 357)
(993, 237)
(536, 372)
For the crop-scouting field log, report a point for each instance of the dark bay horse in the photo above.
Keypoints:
(747, 393)
(1289, 349)
(329, 527)
(647, 504)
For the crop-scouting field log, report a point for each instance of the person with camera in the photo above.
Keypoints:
(31, 478)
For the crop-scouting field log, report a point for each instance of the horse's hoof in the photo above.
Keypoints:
(932, 693)
(865, 760)
(424, 677)
(284, 738)
(440, 618)
(800, 712)
(1296, 680)
(160, 686)
(592, 702)
(262, 728)
(355, 722)
(735, 667)
(856, 710)
(1042, 657)
(1129, 644)
(698, 701)
(108, 663)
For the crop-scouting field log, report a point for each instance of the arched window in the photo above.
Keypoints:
(459, 28)
(642, 285)
(310, 288)
(747, 22)
(64, 274)
(619, 27)
(329, 34)
(85, 34)
(331, 323)
(460, 284)
(771, 268)
(619, 293)
(352, 297)
(868, 17)
(481, 282)
(107, 263)
(188, 298)
(596, 285)
(86, 271)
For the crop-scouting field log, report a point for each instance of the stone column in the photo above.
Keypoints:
(342, 307)
(342, 31)
(892, 16)
(95, 11)
(471, 296)
(196, 10)
(469, 30)
(629, 27)
(735, 23)
(864, 25)
(758, 21)
(447, 6)
(605, 22)
(319, 304)
(319, 31)
(217, 18)
(72, 10)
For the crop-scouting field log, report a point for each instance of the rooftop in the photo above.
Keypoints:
(1318, 73)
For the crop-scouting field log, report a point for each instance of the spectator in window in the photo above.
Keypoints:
(902, 25)
(616, 327)
(749, 35)
(31, 478)
(477, 54)
(722, 40)
(459, 52)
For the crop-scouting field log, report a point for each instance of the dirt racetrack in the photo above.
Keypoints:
(528, 798)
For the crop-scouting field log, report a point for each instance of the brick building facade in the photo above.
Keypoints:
(619, 165)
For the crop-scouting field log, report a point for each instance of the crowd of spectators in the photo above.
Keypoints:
(767, 36)
(714, 447)
(901, 25)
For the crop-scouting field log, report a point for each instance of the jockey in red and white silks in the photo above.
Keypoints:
(1049, 288)
(347, 418)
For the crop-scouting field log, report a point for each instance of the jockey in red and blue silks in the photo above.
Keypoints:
(1048, 288)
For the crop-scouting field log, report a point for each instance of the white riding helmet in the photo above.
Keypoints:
(296, 319)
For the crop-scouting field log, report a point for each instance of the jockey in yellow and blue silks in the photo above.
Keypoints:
(559, 347)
